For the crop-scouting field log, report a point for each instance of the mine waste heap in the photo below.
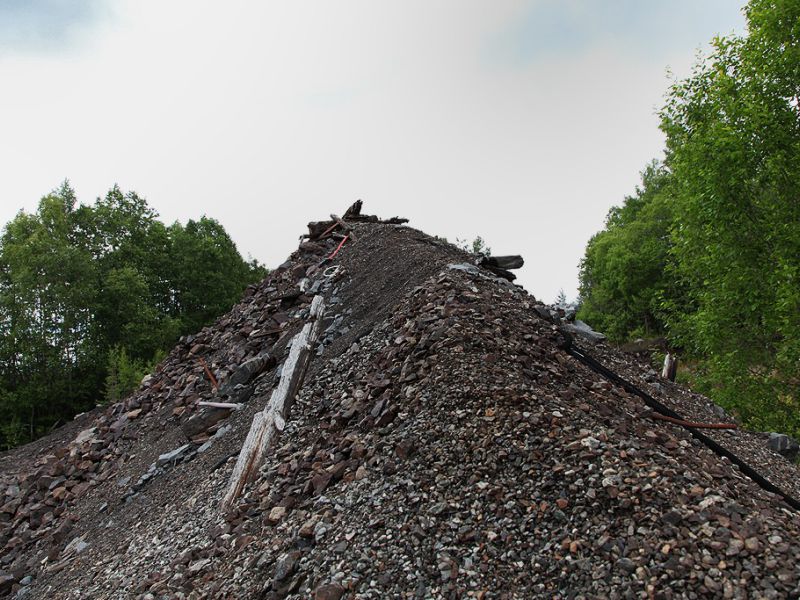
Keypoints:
(384, 417)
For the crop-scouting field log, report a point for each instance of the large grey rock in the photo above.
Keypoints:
(784, 445)
(581, 329)
(241, 393)
(329, 591)
(87, 435)
(203, 420)
(285, 566)
(466, 268)
(546, 314)
(76, 546)
(173, 456)
(246, 372)
(7, 581)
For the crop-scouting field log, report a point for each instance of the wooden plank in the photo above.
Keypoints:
(243, 463)
(231, 405)
(268, 423)
(345, 227)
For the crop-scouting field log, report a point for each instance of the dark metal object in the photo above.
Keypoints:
(503, 262)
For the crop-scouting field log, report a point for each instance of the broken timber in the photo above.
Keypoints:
(354, 210)
(268, 423)
(503, 262)
(319, 230)
(501, 265)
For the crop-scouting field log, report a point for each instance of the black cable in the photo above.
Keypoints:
(570, 348)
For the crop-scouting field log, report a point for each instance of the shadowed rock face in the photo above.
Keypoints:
(442, 445)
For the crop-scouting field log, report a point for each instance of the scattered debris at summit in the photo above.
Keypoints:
(439, 441)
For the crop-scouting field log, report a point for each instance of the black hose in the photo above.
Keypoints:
(570, 348)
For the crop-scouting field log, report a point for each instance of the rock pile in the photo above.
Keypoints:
(443, 446)
(39, 493)
(784, 445)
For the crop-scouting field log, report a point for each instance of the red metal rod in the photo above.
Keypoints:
(339, 247)
(209, 373)
(328, 230)
(661, 417)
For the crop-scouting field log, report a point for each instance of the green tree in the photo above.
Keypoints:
(477, 246)
(733, 142)
(625, 275)
(709, 249)
(123, 374)
(131, 249)
(209, 275)
(91, 294)
(47, 287)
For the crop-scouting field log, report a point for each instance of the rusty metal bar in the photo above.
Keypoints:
(209, 373)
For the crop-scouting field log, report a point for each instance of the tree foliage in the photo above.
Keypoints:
(92, 292)
(624, 274)
(729, 293)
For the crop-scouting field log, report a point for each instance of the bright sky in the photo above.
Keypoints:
(520, 121)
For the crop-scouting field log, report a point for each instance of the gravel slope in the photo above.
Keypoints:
(443, 446)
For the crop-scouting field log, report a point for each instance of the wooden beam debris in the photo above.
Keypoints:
(319, 230)
(354, 210)
(268, 423)
(503, 262)
(345, 227)
(231, 405)
(501, 265)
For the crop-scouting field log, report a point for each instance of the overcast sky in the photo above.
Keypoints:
(522, 122)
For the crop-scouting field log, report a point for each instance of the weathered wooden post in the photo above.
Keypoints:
(670, 367)
(268, 423)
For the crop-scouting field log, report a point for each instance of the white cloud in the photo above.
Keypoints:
(36, 26)
(267, 115)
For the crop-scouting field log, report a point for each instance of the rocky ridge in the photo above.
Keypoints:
(443, 445)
